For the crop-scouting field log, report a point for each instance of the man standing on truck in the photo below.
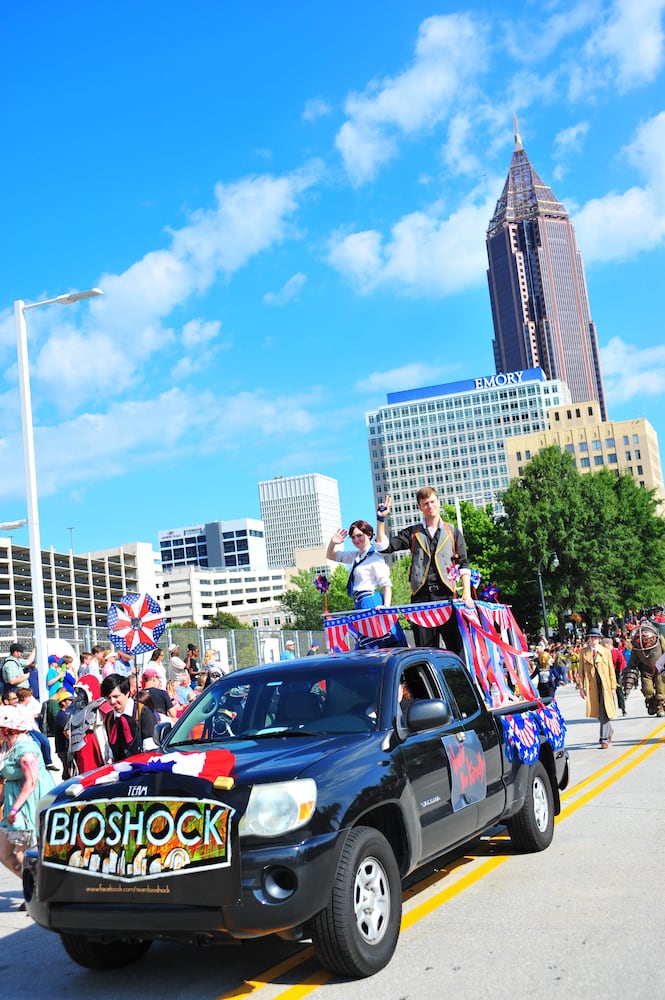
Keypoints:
(438, 556)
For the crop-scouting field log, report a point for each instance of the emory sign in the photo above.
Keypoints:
(501, 378)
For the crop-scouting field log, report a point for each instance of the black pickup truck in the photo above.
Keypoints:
(291, 798)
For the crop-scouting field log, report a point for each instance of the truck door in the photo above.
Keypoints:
(446, 819)
(481, 734)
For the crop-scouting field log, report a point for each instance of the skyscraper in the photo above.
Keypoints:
(299, 512)
(540, 306)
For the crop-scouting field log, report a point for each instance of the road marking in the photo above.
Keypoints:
(608, 775)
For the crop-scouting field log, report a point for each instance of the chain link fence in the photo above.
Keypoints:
(236, 648)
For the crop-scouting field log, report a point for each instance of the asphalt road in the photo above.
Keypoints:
(583, 919)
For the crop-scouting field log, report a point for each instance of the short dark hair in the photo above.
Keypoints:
(112, 682)
(363, 526)
(16, 647)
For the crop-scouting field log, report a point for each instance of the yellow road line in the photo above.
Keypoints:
(612, 771)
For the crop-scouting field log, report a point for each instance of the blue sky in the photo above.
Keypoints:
(285, 206)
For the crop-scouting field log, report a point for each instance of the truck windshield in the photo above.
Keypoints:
(272, 703)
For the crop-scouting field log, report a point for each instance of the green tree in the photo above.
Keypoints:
(338, 599)
(399, 577)
(604, 528)
(189, 625)
(544, 512)
(224, 619)
(480, 535)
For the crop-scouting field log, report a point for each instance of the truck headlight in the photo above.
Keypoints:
(279, 807)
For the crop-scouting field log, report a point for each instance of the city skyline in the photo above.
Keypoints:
(288, 220)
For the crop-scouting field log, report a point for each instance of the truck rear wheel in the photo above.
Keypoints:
(93, 954)
(532, 828)
(357, 932)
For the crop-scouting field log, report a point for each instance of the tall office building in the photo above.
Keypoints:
(540, 306)
(235, 543)
(299, 512)
(454, 437)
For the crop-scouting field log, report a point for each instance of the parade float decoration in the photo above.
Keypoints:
(493, 648)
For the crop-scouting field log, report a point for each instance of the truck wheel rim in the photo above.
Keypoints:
(540, 809)
(371, 900)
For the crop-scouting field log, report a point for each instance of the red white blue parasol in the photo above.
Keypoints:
(135, 623)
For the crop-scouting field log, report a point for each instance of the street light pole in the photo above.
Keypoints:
(36, 571)
(555, 563)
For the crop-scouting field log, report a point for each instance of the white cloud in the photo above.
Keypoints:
(570, 140)
(198, 331)
(117, 335)
(456, 153)
(532, 39)
(414, 374)
(566, 142)
(631, 38)
(289, 291)
(134, 435)
(631, 373)
(619, 226)
(425, 255)
(451, 51)
(316, 108)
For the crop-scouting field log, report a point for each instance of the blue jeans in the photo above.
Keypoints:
(44, 745)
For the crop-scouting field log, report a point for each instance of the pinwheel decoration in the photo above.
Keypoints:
(135, 623)
(322, 584)
(475, 581)
(490, 593)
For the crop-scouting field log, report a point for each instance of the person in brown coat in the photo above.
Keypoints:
(597, 683)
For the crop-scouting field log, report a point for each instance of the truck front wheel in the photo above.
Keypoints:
(532, 828)
(357, 932)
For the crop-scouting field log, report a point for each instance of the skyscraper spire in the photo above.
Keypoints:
(518, 140)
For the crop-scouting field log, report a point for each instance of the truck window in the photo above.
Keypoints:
(463, 691)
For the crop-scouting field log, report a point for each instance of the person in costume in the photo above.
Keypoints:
(369, 577)
(648, 657)
(597, 683)
(438, 557)
(24, 781)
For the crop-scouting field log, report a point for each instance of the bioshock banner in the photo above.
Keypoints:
(128, 839)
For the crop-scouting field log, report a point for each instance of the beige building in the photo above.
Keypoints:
(627, 446)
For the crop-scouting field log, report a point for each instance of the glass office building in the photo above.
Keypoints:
(235, 543)
(453, 437)
(538, 293)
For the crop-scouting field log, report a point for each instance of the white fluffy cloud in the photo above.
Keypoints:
(621, 225)
(427, 253)
(315, 108)
(289, 291)
(120, 332)
(414, 374)
(631, 373)
(451, 51)
(631, 39)
(133, 435)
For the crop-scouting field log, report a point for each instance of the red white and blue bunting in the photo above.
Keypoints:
(495, 651)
